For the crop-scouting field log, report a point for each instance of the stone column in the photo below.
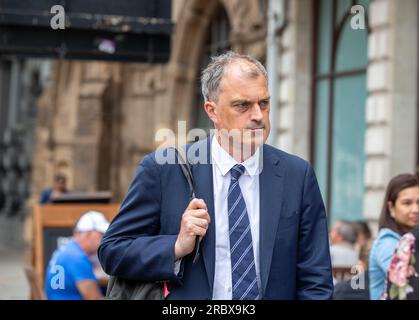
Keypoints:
(293, 123)
(392, 92)
(88, 125)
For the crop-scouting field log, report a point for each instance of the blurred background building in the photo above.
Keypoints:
(345, 99)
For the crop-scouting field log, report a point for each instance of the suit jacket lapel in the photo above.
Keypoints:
(270, 186)
(203, 182)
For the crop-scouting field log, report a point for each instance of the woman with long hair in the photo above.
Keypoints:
(399, 215)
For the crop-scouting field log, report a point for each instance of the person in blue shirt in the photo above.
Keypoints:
(70, 273)
(59, 188)
(400, 214)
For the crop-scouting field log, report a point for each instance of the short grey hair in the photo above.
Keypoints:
(212, 75)
(347, 230)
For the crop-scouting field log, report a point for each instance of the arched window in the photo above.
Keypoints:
(340, 93)
(217, 40)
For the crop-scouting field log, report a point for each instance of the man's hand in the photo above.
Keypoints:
(195, 221)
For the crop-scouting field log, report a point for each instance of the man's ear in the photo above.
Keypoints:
(211, 110)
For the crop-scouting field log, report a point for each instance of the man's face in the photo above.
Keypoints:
(94, 239)
(334, 236)
(60, 185)
(243, 104)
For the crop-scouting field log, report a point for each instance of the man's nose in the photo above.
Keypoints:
(257, 114)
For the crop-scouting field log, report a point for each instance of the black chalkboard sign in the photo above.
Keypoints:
(53, 239)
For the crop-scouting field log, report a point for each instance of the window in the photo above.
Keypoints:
(340, 93)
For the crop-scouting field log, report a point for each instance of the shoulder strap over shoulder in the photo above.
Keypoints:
(186, 169)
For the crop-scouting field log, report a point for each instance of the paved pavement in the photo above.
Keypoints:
(13, 283)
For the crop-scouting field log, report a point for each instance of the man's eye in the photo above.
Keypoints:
(264, 104)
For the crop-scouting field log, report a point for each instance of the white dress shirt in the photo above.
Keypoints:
(222, 162)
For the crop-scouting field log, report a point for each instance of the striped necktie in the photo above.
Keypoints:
(244, 281)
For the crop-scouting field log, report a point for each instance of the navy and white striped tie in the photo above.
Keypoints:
(243, 270)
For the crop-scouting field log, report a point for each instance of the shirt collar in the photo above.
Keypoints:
(224, 161)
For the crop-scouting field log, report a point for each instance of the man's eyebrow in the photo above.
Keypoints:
(240, 101)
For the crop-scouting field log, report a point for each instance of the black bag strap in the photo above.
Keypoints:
(186, 169)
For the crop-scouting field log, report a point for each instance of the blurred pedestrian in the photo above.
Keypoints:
(400, 214)
(70, 274)
(59, 188)
(342, 240)
(363, 234)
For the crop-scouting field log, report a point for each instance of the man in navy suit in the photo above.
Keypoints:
(258, 210)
